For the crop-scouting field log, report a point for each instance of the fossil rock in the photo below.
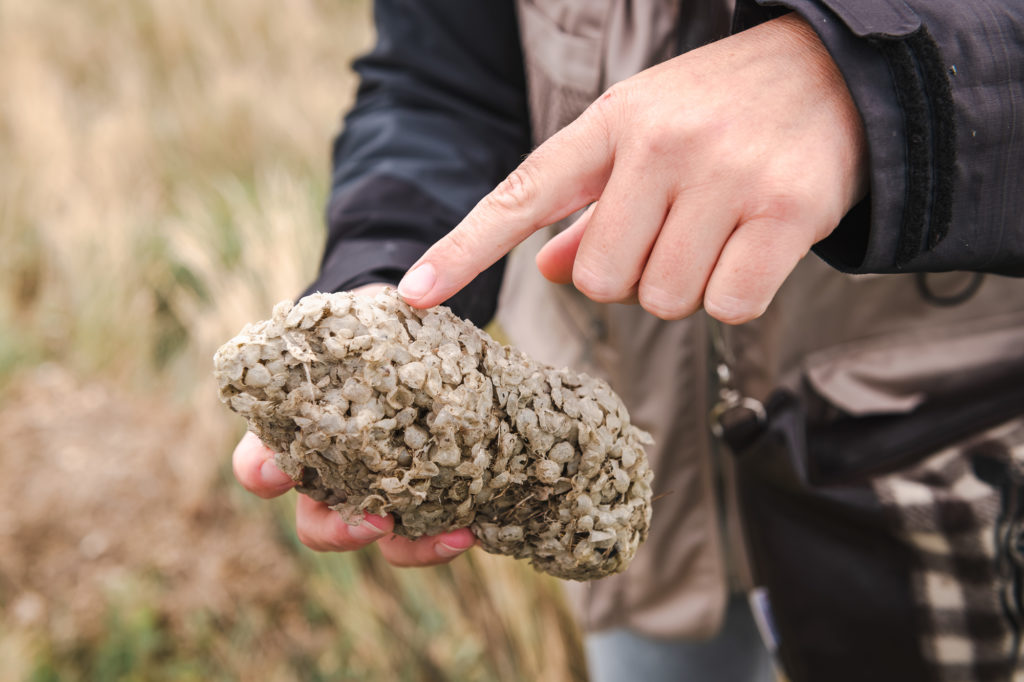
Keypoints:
(372, 405)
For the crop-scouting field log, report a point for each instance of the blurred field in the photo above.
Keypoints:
(165, 165)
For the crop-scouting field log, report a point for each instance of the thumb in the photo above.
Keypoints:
(564, 174)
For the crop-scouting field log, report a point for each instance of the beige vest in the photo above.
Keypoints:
(865, 343)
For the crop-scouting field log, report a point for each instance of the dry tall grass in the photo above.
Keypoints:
(165, 164)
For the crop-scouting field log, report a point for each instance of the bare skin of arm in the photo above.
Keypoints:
(711, 175)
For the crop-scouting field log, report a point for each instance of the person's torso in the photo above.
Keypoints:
(865, 343)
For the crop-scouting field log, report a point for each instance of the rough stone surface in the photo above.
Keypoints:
(375, 406)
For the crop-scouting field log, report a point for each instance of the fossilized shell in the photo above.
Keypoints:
(374, 406)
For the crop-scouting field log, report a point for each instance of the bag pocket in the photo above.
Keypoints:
(959, 513)
(893, 576)
(879, 405)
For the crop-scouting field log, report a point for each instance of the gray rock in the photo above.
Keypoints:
(372, 405)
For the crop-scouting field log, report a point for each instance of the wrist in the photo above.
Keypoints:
(826, 78)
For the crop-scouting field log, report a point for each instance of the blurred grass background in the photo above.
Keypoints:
(165, 168)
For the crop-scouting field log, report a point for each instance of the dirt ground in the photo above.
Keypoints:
(128, 552)
(108, 499)
(166, 169)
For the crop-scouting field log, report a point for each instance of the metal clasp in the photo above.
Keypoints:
(729, 397)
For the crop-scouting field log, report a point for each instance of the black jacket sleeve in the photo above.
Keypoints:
(940, 87)
(440, 118)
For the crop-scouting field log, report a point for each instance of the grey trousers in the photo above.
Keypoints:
(736, 654)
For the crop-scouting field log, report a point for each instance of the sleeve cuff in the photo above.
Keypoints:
(356, 262)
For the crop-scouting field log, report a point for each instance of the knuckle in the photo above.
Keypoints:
(460, 246)
(732, 310)
(515, 193)
(665, 305)
(783, 203)
(599, 287)
(662, 139)
(606, 108)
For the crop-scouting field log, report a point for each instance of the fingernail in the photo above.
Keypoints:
(446, 551)
(273, 477)
(418, 281)
(367, 530)
(454, 543)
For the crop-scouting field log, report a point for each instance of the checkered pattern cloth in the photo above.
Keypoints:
(961, 511)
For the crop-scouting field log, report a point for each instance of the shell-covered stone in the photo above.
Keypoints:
(372, 405)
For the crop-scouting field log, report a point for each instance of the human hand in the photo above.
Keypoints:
(322, 529)
(713, 175)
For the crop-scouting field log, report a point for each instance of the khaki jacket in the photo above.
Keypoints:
(864, 343)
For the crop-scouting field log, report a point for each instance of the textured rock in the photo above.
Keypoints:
(375, 406)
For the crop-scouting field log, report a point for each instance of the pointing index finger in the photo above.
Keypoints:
(564, 174)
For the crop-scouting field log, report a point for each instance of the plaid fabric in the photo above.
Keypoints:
(960, 511)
